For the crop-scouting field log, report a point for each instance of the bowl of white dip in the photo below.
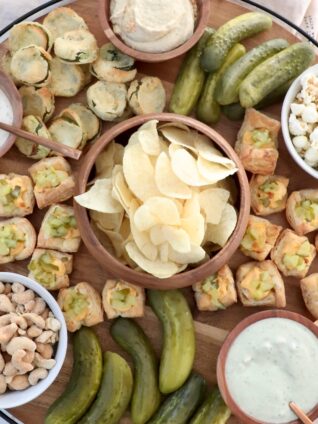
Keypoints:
(267, 361)
(10, 111)
(154, 30)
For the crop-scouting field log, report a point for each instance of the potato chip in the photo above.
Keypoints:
(213, 172)
(144, 219)
(212, 202)
(164, 209)
(118, 153)
(157, 268)
(116, 240)
(184, 165)
(196, 254)
(192, 221)
(220, 233)
(208, 151)
(99, 197)
(121, 191)
(174, 125)
(107, 221)
(164, 252)
(179, 136)
(149, 138)
(124, 229)
(105, 161)
(103, 239)
(142, 238)
(178, 238)
(229, 185)
(167, 182)
(139, 173)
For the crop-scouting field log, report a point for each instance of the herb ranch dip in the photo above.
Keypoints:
(6, 116)
(153, 25)
(270, 363)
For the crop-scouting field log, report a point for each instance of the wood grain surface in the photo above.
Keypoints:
(87, 269)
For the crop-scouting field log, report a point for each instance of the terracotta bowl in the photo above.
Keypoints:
(10, 90)
(221, 363)
(112, 265)
(201, 23)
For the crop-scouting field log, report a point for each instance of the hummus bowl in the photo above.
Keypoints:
(189, 275)
(202, 8)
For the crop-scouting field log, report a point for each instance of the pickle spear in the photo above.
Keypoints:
(275, 71)
(230, 33)
(213, 410)
(190, 79)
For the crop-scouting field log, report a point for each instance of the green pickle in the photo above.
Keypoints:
(213, 410)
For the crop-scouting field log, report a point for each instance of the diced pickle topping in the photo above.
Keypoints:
(11, 238)
(210, 286)
(8, 194)
(254, 237)
(50, 177)
(75, 304)
(123, 299)
(60, 223)
(297, 260)
(44, 269)
(261, 138)
(307, 210)
(260, 288)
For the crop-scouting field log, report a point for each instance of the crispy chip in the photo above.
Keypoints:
(121, 191)
(213, 172)
(178, 238)
(179, 136)
(165, 210)
(212, 202)
(107, 221)
(192, 221)
(105, 161)
(208, 151)
(220, 233)
(144, 219)
(196, 254)
(149, 138)
(184, 165)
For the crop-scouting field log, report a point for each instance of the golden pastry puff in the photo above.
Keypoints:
(302, 211)
(268, 194)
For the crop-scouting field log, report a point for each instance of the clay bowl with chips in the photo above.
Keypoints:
(133, 174)
(202, 8)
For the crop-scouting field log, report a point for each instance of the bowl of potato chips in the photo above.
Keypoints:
(162, 201)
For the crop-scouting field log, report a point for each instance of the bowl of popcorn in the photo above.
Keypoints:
(300, 121)
(33, 340)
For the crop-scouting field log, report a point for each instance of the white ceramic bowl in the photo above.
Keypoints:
(17, 398)
(289, 98)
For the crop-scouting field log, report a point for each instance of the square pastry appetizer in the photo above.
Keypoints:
(309, 289)
(260, 284)
(293, 254)
(268, 194)
(59, 230)
(216, 292)
(51, 268)
(53, 181)
(16, 195)
(259, 238)
(122, 299)
(302, 211)
(17, 239)
(256, 145)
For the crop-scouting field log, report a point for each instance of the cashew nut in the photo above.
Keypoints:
(3, 384)
(20, 343)
(45, 337)
(23, 297)
(9, 370)
(35, 319)
(5, 319)
(39, 306)
(2, 363)
(34, 331)
(21, 332)
(17, 288)
(7, 332)
(6, 304)
(8, 378)
(20, 309)
(29, 306)
(18, 362)
(45, 313)
(2, 287)
(7, 288)
(19, 382)
(36, 375)
(29, 356)
(52, 324)
(45, 349)
(13, 318)
(41, 362)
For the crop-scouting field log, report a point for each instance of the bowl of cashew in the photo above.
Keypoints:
(33, 339)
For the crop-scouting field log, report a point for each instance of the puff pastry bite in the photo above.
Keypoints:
(293, 254)
(53, 181)
(81, 305)
(216, 292)
(260, 284)
(16, 195)
(31, 66)
(39, 102)
(62, 20)
(256, 143)
(107, 99)
(259, 238)
(51, 268)
(309, 289)
(17, 240)
(268, 194)
(78, 46)
(84, 117)
(27, 33)
(34, 125)
(112, 65)
(147, 96)
(122, 299)
(59, 229)
(67, 80)
(302, 211)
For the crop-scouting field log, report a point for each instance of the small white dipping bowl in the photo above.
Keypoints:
(289, 98)
(12, 399)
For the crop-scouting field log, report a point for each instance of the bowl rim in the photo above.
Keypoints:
(32, 392)
(231, 337)
(11, 91)
(185, 278)
(289, 98)
(204, 8)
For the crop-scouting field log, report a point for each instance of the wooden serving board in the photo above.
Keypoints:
(211, 327)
